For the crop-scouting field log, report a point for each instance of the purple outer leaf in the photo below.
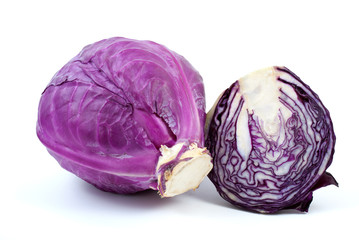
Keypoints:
(105, 115)
(267, 172)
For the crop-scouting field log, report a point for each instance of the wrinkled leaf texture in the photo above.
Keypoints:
(106, 113)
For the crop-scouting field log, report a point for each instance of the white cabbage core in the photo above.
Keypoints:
(193, 166)
(260, 91)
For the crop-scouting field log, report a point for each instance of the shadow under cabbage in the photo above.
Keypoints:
(147, 199)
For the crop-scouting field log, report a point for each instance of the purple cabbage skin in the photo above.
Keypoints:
(271, 140)
(127, 115)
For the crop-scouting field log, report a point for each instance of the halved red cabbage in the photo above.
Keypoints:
(271, 140)
(127, 115)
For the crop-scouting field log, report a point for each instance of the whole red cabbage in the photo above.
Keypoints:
(127, 115)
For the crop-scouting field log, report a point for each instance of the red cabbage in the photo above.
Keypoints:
(127, 115)
(271, 140)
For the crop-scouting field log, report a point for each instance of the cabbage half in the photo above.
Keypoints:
(127, 115)
(271, 140)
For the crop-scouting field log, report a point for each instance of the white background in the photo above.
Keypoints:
(223, 40)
